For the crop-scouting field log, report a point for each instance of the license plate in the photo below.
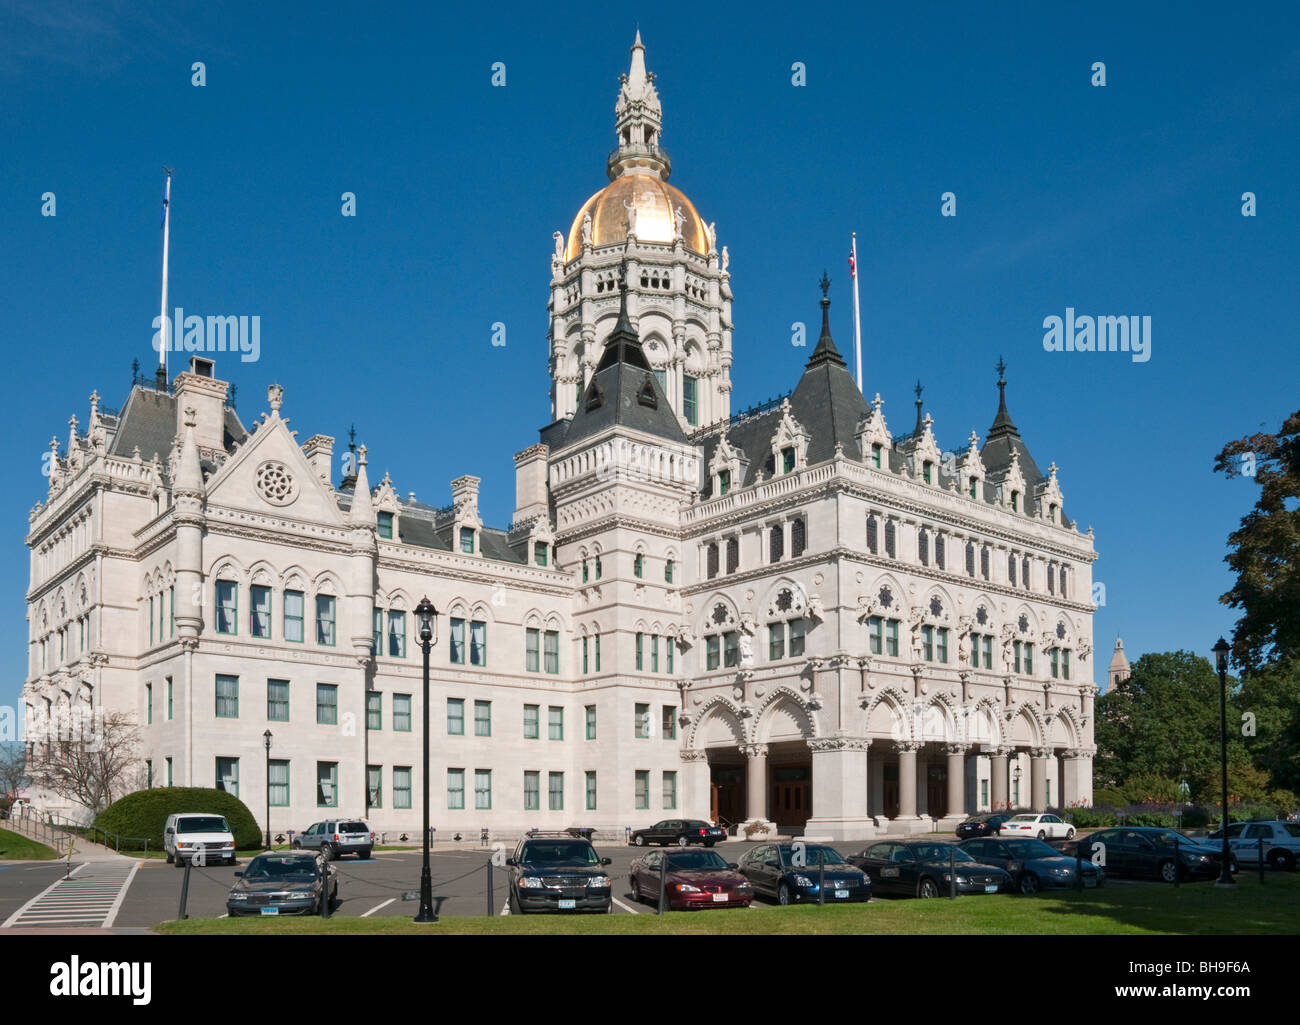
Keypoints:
(568, 905)
(270, 911)
(841, 894)
(719, 898)
(991, 888)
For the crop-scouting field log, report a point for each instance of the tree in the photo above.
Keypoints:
(1264, 552)
(1270, 699)
(13, 771)
(92, 763)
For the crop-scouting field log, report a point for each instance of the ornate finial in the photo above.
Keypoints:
(1001, 368)
(191, 416)
(929, 420)
(54, 445)
(275, 396)
(825, 285)
(94, 402)
(918, 389)
(72, 422)
(361, 456)
(352, 438)
(974, 439)
(1052, 469)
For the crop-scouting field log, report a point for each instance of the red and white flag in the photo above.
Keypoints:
(853, 265)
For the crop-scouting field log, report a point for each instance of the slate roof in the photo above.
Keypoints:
(149, 420)
(428, 527)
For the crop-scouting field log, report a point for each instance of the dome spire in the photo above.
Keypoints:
(638, 123)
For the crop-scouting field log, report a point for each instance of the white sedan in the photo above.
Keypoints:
(1044, 827)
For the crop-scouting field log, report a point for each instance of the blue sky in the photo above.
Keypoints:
(1118, 200)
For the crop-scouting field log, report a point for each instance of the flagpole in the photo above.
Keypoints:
(165, 335)
(857, 321)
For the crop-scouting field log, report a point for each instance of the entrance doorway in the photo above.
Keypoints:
(936, 791)
(792, 796)
(727, 794)
(890, 777)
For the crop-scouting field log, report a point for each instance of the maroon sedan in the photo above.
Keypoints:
(694, 879)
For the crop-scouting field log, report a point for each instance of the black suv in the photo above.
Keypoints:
(558, 872)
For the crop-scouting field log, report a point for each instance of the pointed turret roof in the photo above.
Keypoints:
(825, 352)
(1003, 439)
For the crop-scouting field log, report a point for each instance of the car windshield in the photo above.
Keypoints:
(938, 852)
(696, 861)
(558, 853)
(1168, 837)
(202, 824)
(1024, 818)
(1024, 849)
(829, 855)
(353, 827)
(281, 868)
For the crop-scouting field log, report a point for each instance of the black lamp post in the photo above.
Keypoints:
(1221, 664)
(266, 739)
(428, 617)
(1015, 798)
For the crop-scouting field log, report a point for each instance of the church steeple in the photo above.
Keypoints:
(826, 352)
(638, 121)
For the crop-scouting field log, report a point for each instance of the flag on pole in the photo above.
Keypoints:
(853, 265)
(857, 320)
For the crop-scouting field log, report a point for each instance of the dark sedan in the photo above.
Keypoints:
(984, 824)
(1032, 864)
(692, 879)
(1148, 852)
(920, 868)
(789, 873)
(283, 884)
(682, 832)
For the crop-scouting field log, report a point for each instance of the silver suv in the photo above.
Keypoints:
(336, 837)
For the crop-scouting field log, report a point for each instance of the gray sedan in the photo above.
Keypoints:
(283, 884)
(1032, 864)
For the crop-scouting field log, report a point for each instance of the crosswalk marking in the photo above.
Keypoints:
(91, 894)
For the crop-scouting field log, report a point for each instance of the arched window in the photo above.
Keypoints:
(775, 543)
(970, 558)
(733, 554)
(711, 559)
(923, 546)
(872, 540)
(798, 538)
(1011, 569)
(890, 534)
(1024, 571)
(1064, 592)
(984, 562)
(939, 559)
(1051, 578)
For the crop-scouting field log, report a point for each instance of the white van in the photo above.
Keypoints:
(198, 833)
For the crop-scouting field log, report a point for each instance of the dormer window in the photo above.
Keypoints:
(1015, 501)
(927, 471)
(787, 460)
(386, 525)
(1051, 512)
(974, 484)
(724, 481)
(467, 540)
(875, 456)
(539, 552)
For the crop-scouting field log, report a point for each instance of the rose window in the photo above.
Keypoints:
(276, 484)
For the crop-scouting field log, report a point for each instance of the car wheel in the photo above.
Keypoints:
(682, 841)
(364, 855)
(928, 888)
(1168, 871)
(1281, 861)
(1069, 833)
(170, 859)
(708, 843)
(783, 894)
(178, 861)
(639, 840)
(1042, 834)
(515, 909)
(327, 852)
(1029, 883)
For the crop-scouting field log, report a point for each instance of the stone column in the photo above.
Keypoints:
(1076, 783)
(876, 787)
(956, 780)
(695, 783)
(839, 788)
(907, 780)
(755, 781)
(1038, 779)
(998, 774)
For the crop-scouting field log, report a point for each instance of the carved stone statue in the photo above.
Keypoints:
(963, 640)
(685, 637)
(914, 622)
(679, 220)
(726, 258)
(586, 228)
(816, 612)
(746, 650)
(1008, 634)
(559, 247)
(866, 607)
(713, 237)
(631, 216)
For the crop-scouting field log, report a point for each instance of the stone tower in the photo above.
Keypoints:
(1119, 670)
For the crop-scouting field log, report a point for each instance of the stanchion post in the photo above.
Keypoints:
(1178, 861)
(952, 872)
(663, 883)
(1261, 861)
(185, 893)
(491, 905)
(821, 877)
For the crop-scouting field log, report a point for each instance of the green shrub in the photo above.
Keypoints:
(1090, 818)
(144, 813)
(1110, 798)
(1197, 817)
(1164, 819)
(1246, 812)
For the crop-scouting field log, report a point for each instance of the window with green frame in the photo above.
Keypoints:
(724, 481)
(482, 718)
(532, 649)
(642, 790)
(539, 553)
(555, 791)
(532, 722)
(668, 648)
(171, 617)
(327, 704)
(227, 697)
(532, 791)
(712, 650)
(670, 790)
(585, 670)
(151, 640)
(555, 722)
(590, 712)
(477, 642)
(148, 703)
(377, 633)
(668, 722)
(228, 775)
(169, 700)
(731, 648)
(591, 791)
(385, 524)
(597, 652)
(551, 651)
(875, 456)
(690, 400)
(374, 710)
(455, 789)
(227, 607)
(875, 634)
(597, 567)
(401, 786)
(641, 725)
(638, 565)
(402, 713)
(775, 641)
(327, 784)
(640, 650)
(396, 634)
(668, 571)
(259, 610)
(654, 653)
(456, 642)
(483, 789)
(456, 717)
(467, 540)
(294, 610)
(787, 460)
(278, 783)
(797, 630)
(148, 774)
(374, 786)
(325, 621)
(169, 772)
(277, 700)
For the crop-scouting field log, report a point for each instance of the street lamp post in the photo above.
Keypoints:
(1221, 664)
(266, 739)
(428, 617)
(1015, 798)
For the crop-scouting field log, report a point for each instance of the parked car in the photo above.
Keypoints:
(201, 835)
(789, 873)
(921, 868)
(558, 872)
(681, 832)
(335, 837)
(1148, 852)
(1032, 864)
(1281, 842)
(984, 824)
(1044, 827)
(692, 879)
(280, 883)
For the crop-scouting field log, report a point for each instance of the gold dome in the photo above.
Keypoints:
(656, 202)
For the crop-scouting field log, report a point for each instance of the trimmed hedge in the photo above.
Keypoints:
(145, 812)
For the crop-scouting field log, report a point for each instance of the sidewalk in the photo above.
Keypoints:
(82, 850)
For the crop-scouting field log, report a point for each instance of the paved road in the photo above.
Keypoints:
(89, 896)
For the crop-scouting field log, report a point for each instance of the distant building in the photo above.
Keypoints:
(788, 615)
(1119, 670)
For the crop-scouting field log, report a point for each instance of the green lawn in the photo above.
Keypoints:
(1147, 909)
(14, 847)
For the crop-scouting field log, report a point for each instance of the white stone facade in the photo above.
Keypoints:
(786, 615)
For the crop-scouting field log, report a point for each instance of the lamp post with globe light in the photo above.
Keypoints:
(428, 617)
(1221, 664)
